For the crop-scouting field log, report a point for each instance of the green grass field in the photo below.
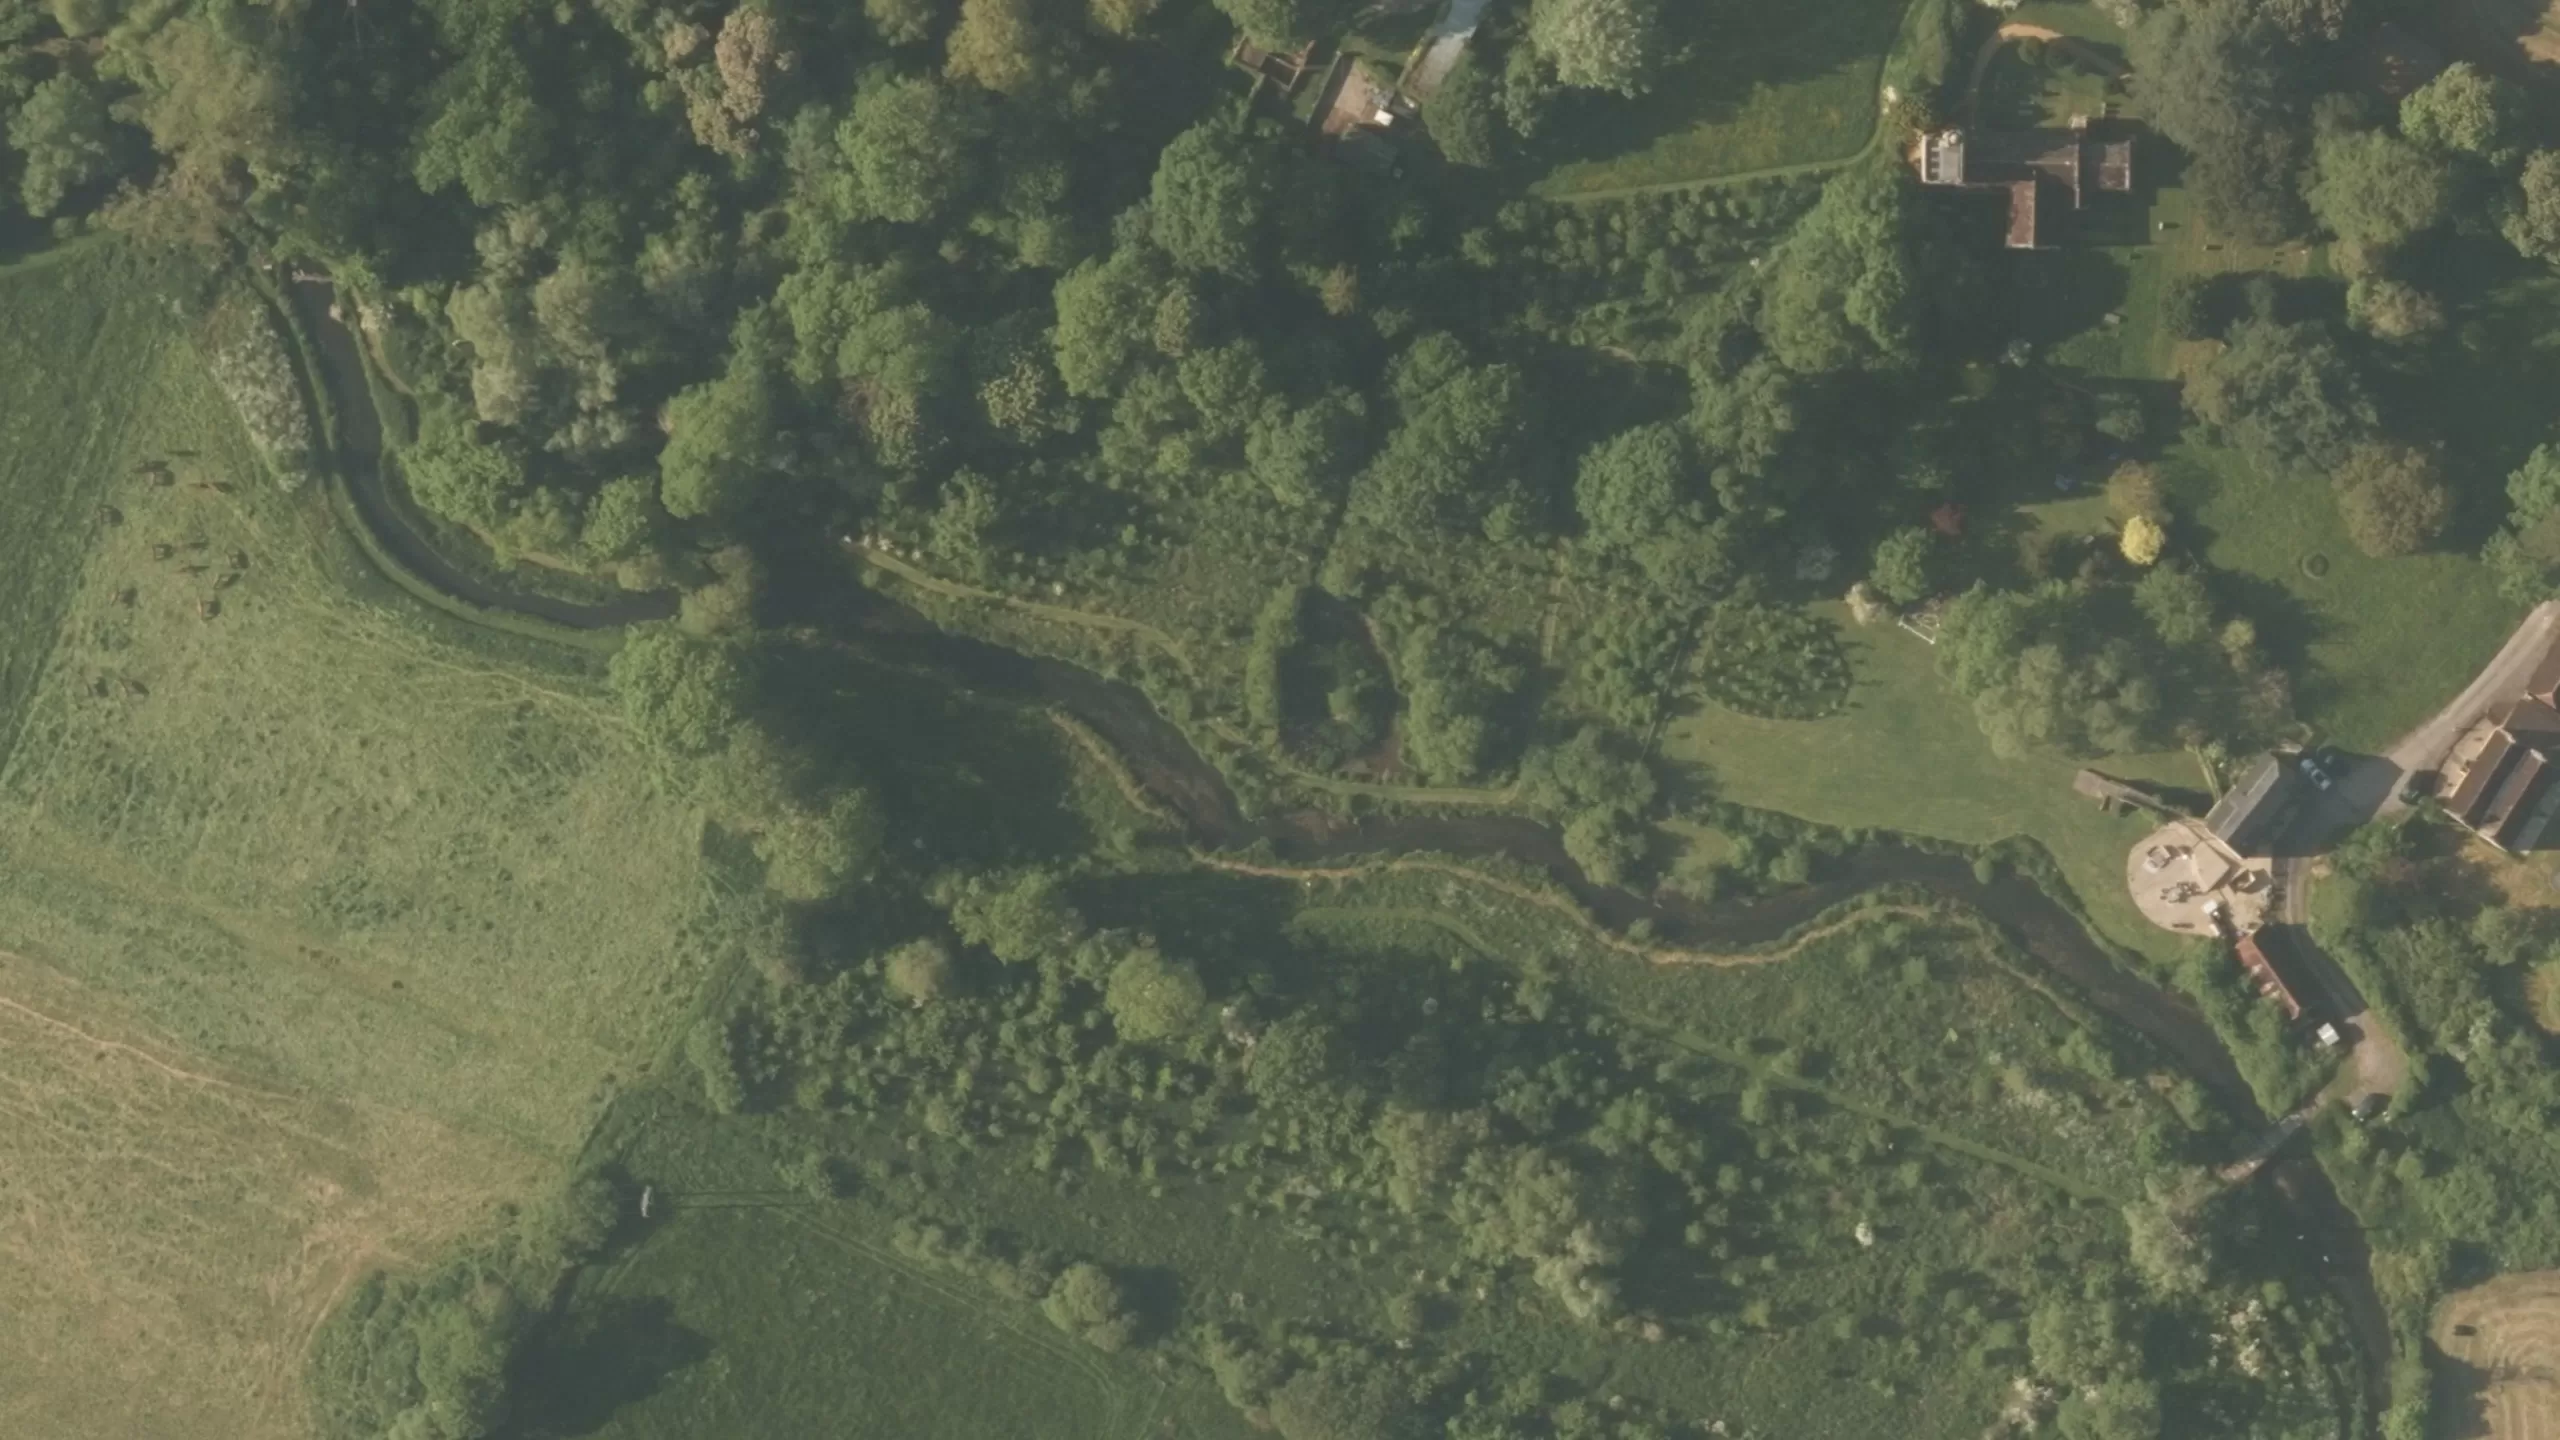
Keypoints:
(1775, 86)
(379, 903)
(1906, 755)
(2376, 646)
(785, 1322)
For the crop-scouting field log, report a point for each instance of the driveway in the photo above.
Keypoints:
(2502, 679)
(2370, 787)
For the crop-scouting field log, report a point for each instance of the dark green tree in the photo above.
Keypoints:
(913, 148)
(2217, 77)
(1213, 198)
(1090, 1304)
(1906, 566)
(2372, 188)
(2286, 394)
(67, 139)
(1465, 114)
(1613, 45)
(1282, 24)
(720, 433)
(684, 695)
(2532, 219)
(1634, 487)
(1152, 998)
(2393, 498)
(2466, 111)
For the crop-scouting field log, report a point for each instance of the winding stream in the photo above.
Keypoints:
(385, 513)
(822, 586)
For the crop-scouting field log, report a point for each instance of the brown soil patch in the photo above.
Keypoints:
(2544, 989)
(173, 1233)
(2532, 25)
(2503, 1342)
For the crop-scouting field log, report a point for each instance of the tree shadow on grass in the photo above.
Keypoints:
(1727, 58)
(612, 1353)
(2461, 1400)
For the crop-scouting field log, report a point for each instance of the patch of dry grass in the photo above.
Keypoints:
(2504, 1340)
(340, 917)
(174, 1231)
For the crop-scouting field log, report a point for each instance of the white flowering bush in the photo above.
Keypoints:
(247, 355)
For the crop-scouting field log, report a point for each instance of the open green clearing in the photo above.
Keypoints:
(780, 1320)
(1773, 86)
(404, 891)
(1906, 755)
(2381, 643)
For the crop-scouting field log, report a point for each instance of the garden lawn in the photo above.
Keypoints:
(2376, 646)
(1774, 86)
(324, 921)
(1906, 755)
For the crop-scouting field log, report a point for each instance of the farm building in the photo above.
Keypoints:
(2035, 167)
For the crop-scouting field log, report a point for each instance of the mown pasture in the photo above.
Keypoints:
(407, 890)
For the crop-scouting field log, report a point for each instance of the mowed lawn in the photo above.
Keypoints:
(380, 905)
(1766, 87)
(2376, 646)
(1906, 755)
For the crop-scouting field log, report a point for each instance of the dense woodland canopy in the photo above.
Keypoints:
(1027, 293)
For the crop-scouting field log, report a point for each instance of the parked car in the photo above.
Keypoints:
(2368, 1106)
(2311, 769)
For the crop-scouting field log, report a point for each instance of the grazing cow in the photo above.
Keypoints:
(125, 597)
(239, 559)
(207, 609)
(163, 550)
(226, 580)
(110, 514)
(193, 569)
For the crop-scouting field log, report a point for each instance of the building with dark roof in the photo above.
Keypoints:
(2036, 168)
(2251, 814)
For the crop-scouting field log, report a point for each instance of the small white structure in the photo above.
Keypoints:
(2328, 1036)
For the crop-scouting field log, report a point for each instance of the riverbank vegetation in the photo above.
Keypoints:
(1160, 1127)
(2454, 1184)
(1487, 463)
